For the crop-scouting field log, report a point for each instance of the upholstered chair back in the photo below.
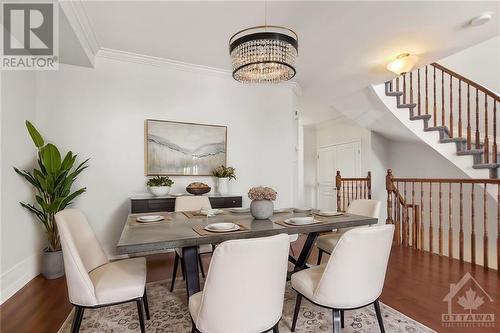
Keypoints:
(82, 253)
(245, 286)
(355, 273)
(191, 203)
(365, 207)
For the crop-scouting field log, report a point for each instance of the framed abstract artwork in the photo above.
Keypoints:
(183, 149)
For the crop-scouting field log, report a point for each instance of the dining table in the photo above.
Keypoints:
(184, 230)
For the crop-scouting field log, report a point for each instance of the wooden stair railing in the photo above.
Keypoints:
(463, 111)
(446, 217)
(349, 189)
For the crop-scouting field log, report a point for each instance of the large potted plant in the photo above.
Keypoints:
(52, 179)
(224, 175)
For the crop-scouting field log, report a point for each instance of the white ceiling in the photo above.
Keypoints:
(343, 46)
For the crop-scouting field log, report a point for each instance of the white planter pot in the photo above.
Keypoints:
(52, 264)
(222, 186)
(261, 209)
(159, 191)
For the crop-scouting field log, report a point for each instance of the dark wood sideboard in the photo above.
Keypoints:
(167, 204)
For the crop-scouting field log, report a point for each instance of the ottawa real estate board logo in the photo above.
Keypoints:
(30, 38)
(466, 300)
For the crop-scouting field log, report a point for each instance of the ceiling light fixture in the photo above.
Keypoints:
(264, 54)
(402, 64)
(481, 19)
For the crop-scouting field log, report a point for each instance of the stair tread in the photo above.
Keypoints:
(470, 152)
(394, 93)
(423, 116)
(448, 140)
(486, 166)
(407, 105)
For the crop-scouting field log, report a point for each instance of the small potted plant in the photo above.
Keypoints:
(224, 175)
(52, 179)
(160, 185)
(262, 202)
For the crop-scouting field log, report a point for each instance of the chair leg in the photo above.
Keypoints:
(146, 304)
(183, 269)
(320, 256)
(193, 328)
(77, 319)
(174, 274)
(140, 310)
(336, 321)
(276, 328)
(376, 304)
(201, 266)
(342, 318)
(296, 312)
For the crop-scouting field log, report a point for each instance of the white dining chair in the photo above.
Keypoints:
(353, 277)
(244, 289)
(93, 281)
(363, 207)
(190, 204)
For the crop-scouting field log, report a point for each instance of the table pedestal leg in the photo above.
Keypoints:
(190, 256)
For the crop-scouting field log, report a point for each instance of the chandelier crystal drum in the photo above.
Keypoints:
(264, 54)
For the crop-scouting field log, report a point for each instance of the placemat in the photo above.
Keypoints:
(133, 220)
(284, 224)
(202, 232)
(190, 215)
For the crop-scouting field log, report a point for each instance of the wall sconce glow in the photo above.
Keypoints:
(403, 64)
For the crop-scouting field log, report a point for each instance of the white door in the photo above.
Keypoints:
(346, 158)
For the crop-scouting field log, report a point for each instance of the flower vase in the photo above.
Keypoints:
(261, 209)
(222, 185)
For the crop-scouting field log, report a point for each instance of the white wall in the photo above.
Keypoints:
(310, 159)
(99, 113)
(480, 63)
(21, 234)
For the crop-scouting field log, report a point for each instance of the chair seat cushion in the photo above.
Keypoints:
(194, 305)
(306, 281)
(327, 242)
(202, 249)
(119, 281)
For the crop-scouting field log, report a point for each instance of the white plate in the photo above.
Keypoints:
(282, 210)
(239, 210)
(302, 210)
(177, 194)
(329, 213)
(222, 227)
(211, 211)
(300, 220)
(150, 218)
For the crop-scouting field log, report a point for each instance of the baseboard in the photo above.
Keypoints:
(18, 276)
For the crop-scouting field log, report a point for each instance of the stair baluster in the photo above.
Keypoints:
(451, 106)
(486, 139)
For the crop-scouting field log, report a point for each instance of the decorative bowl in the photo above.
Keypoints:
(159, 191)
(198, 188)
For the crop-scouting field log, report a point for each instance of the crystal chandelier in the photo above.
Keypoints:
(264, 54)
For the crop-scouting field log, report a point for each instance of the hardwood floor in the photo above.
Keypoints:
(416, 284)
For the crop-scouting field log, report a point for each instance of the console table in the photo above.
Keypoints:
(149, 203)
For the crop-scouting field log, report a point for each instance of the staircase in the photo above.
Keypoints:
(460, 110)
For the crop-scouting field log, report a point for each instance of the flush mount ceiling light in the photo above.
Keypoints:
(481, 19)
(264, 54)
(402, 64)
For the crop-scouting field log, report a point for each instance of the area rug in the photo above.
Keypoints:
(169, 314)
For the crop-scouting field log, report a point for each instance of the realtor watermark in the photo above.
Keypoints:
(30, 39)
(465, 299)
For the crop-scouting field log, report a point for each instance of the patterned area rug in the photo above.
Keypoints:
(169, 314)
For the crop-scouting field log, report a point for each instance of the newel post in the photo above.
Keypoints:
(389, 186)
(338, 185)
(369, 184)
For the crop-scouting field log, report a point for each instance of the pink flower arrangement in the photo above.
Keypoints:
(262, 193)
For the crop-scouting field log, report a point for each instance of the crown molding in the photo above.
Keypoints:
(79, 21)
(143, 59)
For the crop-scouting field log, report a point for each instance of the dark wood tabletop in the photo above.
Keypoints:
(177, 230)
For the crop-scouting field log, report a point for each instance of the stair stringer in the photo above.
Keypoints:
(431, 138)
